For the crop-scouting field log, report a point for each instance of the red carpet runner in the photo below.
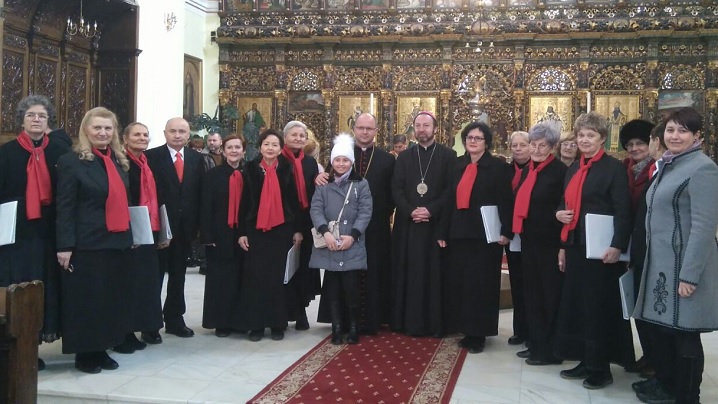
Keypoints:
(387, 368)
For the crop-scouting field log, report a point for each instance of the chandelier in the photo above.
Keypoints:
(81, 27)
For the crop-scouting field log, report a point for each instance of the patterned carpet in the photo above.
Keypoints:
(386, 368)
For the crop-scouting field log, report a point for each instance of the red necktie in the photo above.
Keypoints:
(179, 166)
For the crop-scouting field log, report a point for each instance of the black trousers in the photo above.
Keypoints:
(543, 282)
(343, 287)
(516, 277)
(678, 359)
(173, 262)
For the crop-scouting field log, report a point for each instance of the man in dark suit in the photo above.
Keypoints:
(177, 170)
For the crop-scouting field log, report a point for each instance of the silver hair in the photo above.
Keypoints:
(293, 124)
(518, 133)
(541, 131)
(30, 101)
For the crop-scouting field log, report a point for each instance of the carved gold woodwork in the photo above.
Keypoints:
(551, 78)
(358, 78)
(619, 78)
(682, 76)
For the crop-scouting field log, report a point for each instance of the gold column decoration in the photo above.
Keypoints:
(709, 142)
(651, 105)
(384, 136)
(280, 96)
(445, 96)
(328, 96)
(519, 115)
(224, 97)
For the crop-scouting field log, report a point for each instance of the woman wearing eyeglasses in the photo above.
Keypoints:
(568, 151)
(29, 176)
(537, 197)
(591, 328)
(472, 273)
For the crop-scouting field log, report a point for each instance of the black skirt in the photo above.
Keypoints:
(95, 313)
(145, 289)
(262, 297)
(221, 290)
(472, 285)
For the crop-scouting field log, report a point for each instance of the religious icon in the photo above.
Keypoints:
(552, 110)
(404, 4)
(255, 116)
(271, 5)
(192, 90)
(618, 109)
(375, 4)
(340, 4)
(407, 109)
(350, 108)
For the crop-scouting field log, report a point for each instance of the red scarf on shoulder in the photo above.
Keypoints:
(236, 184)
(271, 212)
(463, 191)
(148, 190)
(298, 175)
(38, 190)
(574, 190)
(517, 176)
(117, 211)
(523, 195)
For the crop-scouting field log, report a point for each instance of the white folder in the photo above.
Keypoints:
(599, 233)
(492, 223)
(8, 222)
(515, 244)
(292, 263)
(141, 226)
(165, 231)
(628, 298)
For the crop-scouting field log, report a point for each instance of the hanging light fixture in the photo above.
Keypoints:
(81, 27)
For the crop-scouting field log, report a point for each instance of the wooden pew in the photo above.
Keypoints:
(21, 311)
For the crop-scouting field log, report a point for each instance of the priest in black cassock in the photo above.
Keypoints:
(376, 166)
(420, 187)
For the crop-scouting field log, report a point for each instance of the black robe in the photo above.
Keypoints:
(416, 272)
(471, 278)
(591, 327)
(306, 283)
(224, 255)
(33, 254)
(145, 281)
(540, 243)
(377, 167)
(262, 297)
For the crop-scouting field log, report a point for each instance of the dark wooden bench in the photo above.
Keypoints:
(20, 324)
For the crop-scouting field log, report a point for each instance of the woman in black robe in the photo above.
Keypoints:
(590, 324)
(32, 256)
(306, 283)
(219, 232)
(145, 285)
(270, 225)
(93, 242)
(471, 275)
(537, 197)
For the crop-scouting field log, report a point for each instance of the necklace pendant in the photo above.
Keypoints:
(422, 189)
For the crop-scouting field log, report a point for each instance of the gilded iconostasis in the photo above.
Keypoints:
(510, 63)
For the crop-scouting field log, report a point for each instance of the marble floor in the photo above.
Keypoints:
(207, 369)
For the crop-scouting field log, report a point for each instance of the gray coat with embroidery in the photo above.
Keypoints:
(681, 245)
(326, 204)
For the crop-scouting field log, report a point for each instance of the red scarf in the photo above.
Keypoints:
(574, 190)
(148, 190)
(523, 195)
(298, 175)
(652, 170)
(117, 211)
(38, 190)
(271, 212)
(517, 176)
(236, 184)
(463, 191)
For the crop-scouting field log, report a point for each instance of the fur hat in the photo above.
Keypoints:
(635, 129)
(343, 146)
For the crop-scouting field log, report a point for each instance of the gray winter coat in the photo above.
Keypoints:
(326, 204)
(681, 245)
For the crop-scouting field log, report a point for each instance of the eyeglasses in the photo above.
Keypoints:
(474, 139)
(33, 115)
(569, 145)
(363, 129)
(541, 147)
